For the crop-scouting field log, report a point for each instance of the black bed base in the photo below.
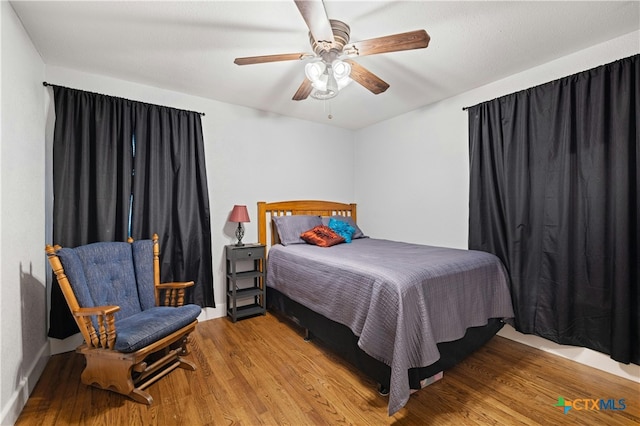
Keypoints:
(342, 341)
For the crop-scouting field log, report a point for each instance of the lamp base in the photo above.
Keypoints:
(239, 234)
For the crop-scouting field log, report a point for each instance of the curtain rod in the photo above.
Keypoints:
(45, 84)
(556, 80)
(471, 106)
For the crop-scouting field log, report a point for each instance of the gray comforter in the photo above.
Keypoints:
(399, 298)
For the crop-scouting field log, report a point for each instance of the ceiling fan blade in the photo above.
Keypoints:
(272, 58)
(303, 91)
(393, 43)
(315, 15)
(366, 78)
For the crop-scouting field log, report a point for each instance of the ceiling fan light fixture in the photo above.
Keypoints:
(341, 70)
(327, 80)
(321, 82)
(315, 70)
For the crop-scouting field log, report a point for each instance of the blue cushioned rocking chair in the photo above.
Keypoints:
(135, 329)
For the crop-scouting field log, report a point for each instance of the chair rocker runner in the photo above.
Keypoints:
(135, 329)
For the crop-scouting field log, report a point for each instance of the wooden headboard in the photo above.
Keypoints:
(282, 208)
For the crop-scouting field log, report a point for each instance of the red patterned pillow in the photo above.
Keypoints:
(322, 236)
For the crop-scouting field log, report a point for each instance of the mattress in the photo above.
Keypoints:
(399, 299)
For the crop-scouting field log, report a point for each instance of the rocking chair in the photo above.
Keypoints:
(131, 339)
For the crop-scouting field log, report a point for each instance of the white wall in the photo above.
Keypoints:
(412, 172)
(23, 342)
(251, 156)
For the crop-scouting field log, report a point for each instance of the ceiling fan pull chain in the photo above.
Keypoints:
(328, 101)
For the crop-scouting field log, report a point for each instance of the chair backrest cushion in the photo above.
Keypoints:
(103, 274)
(143, 265)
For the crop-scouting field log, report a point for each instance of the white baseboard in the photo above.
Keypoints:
(58, 346)
(581, 355)
(211, 313)
(11, 411)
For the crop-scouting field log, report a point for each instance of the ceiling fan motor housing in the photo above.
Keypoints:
(341, 32)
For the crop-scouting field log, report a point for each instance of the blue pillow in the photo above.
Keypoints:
(349, 220)
(342, 228)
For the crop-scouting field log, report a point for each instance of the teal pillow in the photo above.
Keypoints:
(349, 220)
(342, 228)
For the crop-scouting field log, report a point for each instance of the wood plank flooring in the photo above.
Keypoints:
(259, 371)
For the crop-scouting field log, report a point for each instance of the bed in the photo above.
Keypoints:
(400, 312)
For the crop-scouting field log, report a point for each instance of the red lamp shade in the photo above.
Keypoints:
(239, 214)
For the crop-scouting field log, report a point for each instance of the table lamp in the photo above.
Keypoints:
(239, 214)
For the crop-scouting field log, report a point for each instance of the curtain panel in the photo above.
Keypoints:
(91, 180)
(121, 166)
(554, 193)
(171, 196)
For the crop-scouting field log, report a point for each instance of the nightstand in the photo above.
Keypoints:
(246, 272)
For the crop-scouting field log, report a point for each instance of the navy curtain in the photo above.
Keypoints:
(554, 193)
(120, 170)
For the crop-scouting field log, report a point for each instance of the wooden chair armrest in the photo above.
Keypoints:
(97, 310)
(105, 336)
(173, 293)
(175, 285)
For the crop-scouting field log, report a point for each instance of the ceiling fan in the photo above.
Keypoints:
(330, 67)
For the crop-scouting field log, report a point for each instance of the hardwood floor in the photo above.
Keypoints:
(260, 371)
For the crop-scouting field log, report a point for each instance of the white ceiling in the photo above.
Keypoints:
(190, 46)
